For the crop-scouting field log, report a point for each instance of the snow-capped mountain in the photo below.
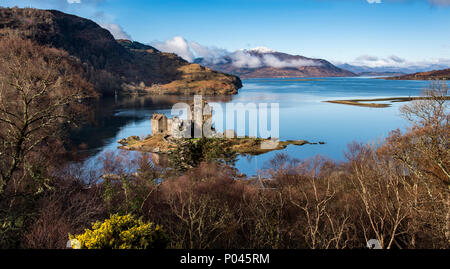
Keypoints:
(261, 50)
(262, 62)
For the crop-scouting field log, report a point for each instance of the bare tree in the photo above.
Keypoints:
(315, 194)
(378, 183)
(41, 91)
(427, 145)
(198, 219)
(424, 151)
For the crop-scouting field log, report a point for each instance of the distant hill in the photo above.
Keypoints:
(123, 66)
(390, 70)
(266, 63)
(431, 75)
(380, 74)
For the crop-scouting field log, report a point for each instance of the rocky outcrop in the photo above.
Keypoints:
(186, 78)
(115, 66)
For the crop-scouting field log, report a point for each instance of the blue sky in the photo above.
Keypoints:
(338, 30)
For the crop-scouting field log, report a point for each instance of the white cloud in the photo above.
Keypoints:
(442, 62)
(266, 57)
(374, 1)
(366, 58)
(397, 59)
(74, 1)
(242, 59)
(272, 61)
(177, 45)
(261, 50)
(191, 50)
(209, 54)
(116, 30)
(373, 61)
(398, 62)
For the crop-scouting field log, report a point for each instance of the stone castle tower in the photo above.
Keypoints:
(177, 127)
(159, 124)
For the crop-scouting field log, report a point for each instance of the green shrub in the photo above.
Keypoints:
(190, 153)
(122, 232)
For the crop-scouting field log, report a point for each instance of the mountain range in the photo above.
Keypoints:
(266, 63)
(363, 70)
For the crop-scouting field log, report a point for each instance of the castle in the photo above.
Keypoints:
(174, 127)
(179, 128)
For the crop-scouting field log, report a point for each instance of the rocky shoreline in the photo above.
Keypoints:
(163, 144)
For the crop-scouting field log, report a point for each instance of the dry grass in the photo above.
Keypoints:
(202, 80)
(155, 143)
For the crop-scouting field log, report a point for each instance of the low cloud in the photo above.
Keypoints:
(177, 45)
(116, 30)
(272, 61)
(191, 50)
(243, 59)
(374, 61)
(209, 54)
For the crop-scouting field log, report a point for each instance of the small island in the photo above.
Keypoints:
(164, 144)
(168, 134)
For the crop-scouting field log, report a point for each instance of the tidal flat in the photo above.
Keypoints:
(363, 102)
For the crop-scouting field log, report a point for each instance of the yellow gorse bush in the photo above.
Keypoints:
(122, 232)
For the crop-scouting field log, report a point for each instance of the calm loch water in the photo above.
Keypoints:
(303, 115)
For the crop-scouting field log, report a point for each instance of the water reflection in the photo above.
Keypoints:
(111, 115)
(303, 115)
